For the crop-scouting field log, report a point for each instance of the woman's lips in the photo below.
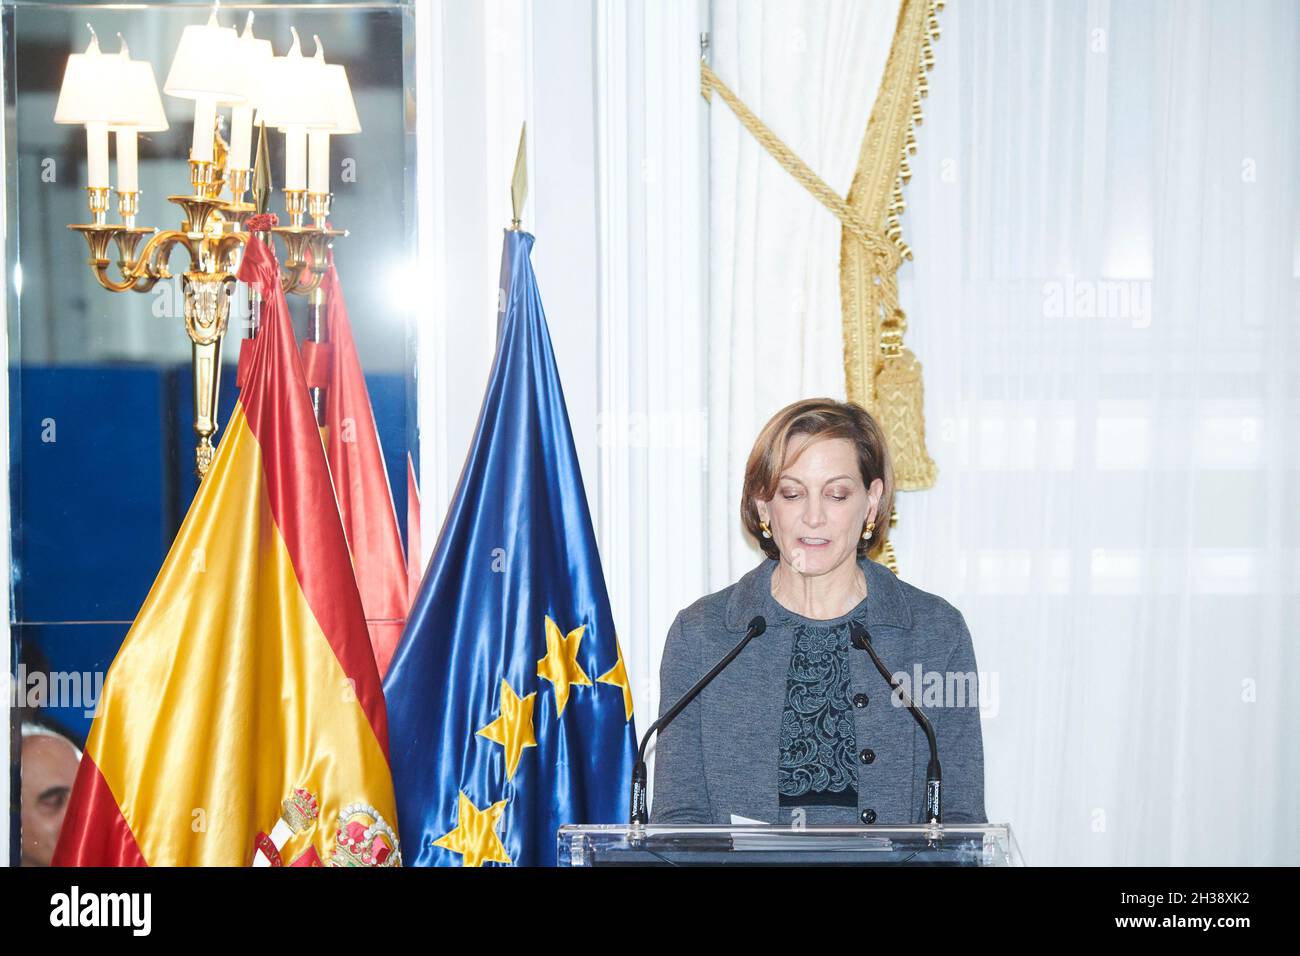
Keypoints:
(815, 542)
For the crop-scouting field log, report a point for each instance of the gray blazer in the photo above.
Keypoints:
(719, 757)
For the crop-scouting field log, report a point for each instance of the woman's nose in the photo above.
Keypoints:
(814, 515)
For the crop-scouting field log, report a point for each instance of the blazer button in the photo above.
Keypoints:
(867, 756)
(868, 816)
(861, 700)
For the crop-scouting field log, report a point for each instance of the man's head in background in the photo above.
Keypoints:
(49, 766)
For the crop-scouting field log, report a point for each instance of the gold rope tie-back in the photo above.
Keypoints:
(884, 249)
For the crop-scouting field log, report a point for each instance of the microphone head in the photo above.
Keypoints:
(858, 635)
(758, 624)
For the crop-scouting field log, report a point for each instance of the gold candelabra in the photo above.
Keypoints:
(212, 233)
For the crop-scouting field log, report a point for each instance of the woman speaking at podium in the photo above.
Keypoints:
(801, 728)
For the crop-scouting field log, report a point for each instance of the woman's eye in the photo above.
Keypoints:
(839, 497)
(789, 495)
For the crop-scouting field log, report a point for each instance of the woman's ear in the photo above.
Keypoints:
(761, 507)
(875, 492)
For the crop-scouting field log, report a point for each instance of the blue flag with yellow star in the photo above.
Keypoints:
(509, 708)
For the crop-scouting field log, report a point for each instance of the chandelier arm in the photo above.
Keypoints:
(151, 264)
(144, 284)
(229, 243)
(100, 269)
(292, 283)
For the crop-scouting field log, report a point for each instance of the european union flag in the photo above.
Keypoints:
(509, 708)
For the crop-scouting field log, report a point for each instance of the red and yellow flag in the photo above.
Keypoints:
(414, 566)
(356, 463)
(242, 721)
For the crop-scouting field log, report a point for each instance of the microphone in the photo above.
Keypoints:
(640, 812)
(933, 803)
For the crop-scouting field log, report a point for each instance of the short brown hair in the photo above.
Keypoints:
(817, 418)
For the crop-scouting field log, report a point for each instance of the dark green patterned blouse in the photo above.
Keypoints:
(818, 755)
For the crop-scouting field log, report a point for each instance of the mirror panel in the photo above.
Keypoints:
(100, 384)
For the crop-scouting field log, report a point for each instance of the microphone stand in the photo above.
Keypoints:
(861, 639)
(640, 814)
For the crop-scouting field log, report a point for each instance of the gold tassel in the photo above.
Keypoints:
(900, 402)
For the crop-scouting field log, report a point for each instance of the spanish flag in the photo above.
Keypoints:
(242, 721)
(356, 462)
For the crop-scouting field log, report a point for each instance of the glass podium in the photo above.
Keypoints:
(761, 845)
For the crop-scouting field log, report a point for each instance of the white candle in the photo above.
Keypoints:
(128, 180)
(295, 158)
(97, 153)
(318, 179)
(241, 137)
(205, 118)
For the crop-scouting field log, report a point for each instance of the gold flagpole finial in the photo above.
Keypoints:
(519, 182)
(262, 172)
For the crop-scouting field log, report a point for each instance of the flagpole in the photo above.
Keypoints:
(317, 331)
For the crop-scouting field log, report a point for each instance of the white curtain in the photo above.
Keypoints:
(810, 70)
(618, 201)
(652, 425)
(1105, 218)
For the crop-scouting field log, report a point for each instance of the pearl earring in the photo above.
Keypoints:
(767, 532)
(866, 532)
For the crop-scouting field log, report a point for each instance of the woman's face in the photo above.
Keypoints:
(821, 505)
